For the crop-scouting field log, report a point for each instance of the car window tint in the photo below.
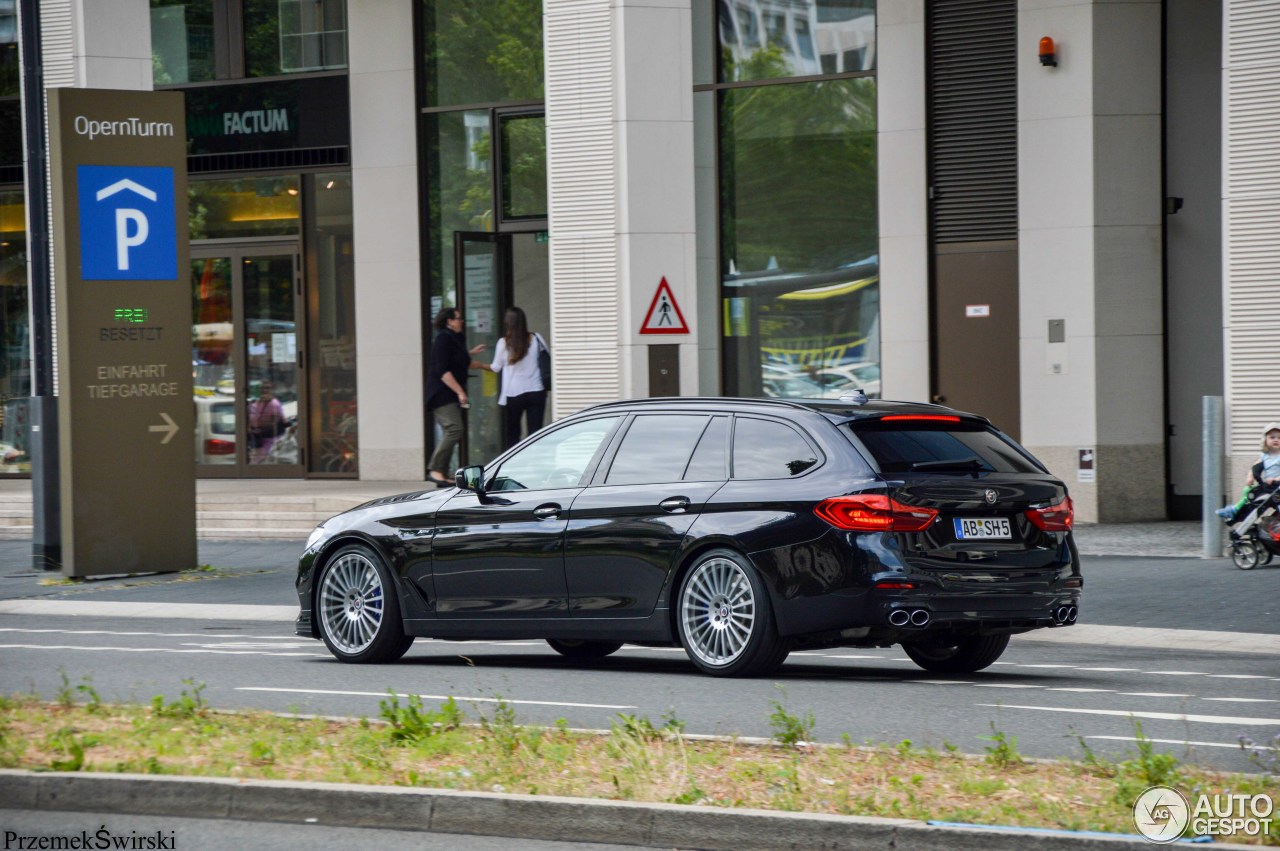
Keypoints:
(656, 449)
(557, 460)
(905, 447)
(763, 449)
(709, 461)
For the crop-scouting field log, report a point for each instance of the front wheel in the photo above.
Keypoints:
(964, 657)
(358, 608)
(725, 620)
(1245, 554)
(583, 651)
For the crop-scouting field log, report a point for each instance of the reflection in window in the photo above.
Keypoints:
(333, 367)
(524, 166)
(459, 192)
(709, 461)
(182, 42)
(557, 460)
(10, 70)
(799, 239)
(474, 55)
(763, 449)
(15, 344)
(291, 36)
(768, 39)
(656, 449)
(249, 206)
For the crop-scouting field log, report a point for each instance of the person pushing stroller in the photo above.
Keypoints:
(1263, 476)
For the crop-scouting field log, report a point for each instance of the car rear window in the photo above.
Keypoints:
(921, 447)
(763, 449)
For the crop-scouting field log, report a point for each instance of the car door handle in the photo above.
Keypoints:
(675, 504)
(546, 512)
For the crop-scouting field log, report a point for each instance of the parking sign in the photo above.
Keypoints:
(127, 223)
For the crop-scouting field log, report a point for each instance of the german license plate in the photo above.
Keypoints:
(987, 527)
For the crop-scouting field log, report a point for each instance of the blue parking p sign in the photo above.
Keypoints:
(127, 229)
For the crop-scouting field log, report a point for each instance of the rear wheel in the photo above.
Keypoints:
(725, 621)
(358, 608)
(1245, 554)
(964, 657)
(583, 651)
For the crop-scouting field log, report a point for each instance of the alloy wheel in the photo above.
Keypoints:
(351, 602)
(718, 611)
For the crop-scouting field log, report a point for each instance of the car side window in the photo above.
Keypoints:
(656, 449)
(557, 460)
(710, 459)
(765, 449)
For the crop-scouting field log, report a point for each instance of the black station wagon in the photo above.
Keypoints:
(740, 529)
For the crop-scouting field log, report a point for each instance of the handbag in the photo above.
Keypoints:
(544, 362)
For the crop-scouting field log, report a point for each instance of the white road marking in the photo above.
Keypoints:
(1243, 699)
(1155, 716)
(1153, 694)
(944, 682)
(1079, 689)
(1233, 745)
(1241, 677)
(1110, 670)
(1177, 673)
(152, 634)
(154, 650)
(173, 611)
(1005, 685)
(1048, 666)
(435, 697)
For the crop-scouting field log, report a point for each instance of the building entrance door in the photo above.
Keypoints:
(246, 349)
(976, 339)
(496, 271)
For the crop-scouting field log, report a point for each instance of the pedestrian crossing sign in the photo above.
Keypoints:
(664, 316)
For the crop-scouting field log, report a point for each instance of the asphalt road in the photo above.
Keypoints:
(1050, 696)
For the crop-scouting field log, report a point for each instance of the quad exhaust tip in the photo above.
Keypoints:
(917, 618)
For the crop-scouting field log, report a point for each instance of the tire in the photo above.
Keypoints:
(583, 651)
(1245, 554)
(965, 657)
(358, 609)
(725, 620)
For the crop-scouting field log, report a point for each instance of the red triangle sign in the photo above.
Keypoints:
(664, 316)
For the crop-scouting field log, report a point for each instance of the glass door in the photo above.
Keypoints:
(245, 329)
(481, 260)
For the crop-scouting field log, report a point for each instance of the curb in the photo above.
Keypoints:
(518, 816)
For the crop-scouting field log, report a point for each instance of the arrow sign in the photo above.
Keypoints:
(171, 428)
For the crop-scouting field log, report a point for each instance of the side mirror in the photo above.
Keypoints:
(470, 479)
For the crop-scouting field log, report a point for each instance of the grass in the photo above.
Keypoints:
(637, 760)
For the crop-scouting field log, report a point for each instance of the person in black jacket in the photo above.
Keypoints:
(446, 389)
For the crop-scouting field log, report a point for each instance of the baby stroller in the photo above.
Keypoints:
(1255, 532)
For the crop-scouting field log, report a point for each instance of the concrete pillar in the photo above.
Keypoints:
(1089, 177)
(384, 177)
(621, 190)
(100, 44)
(904, 214)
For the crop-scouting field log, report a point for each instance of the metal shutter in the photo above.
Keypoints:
(973, 119)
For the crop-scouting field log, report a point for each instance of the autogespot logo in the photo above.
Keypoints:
(1161, 814)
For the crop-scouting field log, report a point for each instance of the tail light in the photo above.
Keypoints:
(874, 513)
(213, 446)
(1058, 517)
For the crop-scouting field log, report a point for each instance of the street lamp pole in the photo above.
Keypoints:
(45, 490)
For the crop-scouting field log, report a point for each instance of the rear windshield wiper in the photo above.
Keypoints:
(970, 463)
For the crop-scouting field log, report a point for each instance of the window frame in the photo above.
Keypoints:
(589, 473)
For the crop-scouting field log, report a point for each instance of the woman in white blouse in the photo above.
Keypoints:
(516, 361)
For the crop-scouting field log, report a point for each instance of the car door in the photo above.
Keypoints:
(501, 555)
(625, 529)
